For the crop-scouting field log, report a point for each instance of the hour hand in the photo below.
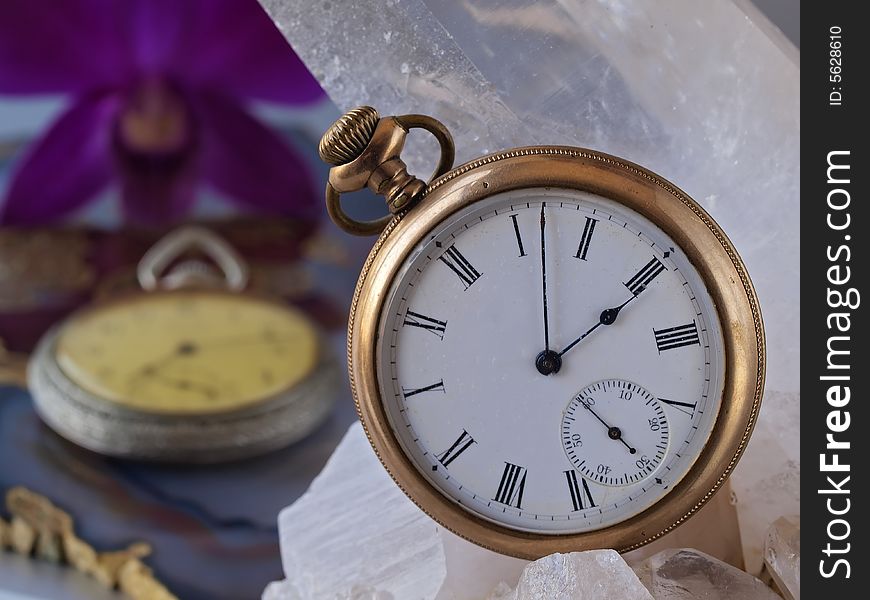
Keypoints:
(636, 285)
(607, 317)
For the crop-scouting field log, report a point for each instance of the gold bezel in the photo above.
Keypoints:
(707, 248)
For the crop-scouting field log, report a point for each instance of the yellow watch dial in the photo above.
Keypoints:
(188, 352)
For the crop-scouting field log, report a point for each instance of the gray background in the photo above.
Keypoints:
(785, 14)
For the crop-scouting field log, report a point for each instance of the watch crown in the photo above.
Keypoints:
(346, 139)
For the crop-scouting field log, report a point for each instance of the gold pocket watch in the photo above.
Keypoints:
(191, 368)
(551, 349)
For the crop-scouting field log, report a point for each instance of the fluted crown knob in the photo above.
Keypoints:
(346, 139)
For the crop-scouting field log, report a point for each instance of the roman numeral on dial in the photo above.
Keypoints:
(684, 407)
(588, 230)
(454, 259)
(580, 495)
(677, 337)
(431, 325)
(511, 486)
(644, 277)
(519, 237)
(462, 443)
(437, 387)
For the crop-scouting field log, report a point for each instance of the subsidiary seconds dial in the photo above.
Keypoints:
(615, 432)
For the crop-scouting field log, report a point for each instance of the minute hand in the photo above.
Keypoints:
(607, 317)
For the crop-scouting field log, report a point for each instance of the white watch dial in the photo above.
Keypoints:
(479, 380)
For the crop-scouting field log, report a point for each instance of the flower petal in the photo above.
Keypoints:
(157, 30)
(157, 190)
(236, 48)
(60, 46)
(66, 168)
(250, 163)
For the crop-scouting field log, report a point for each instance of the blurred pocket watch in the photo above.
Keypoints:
(190, 368)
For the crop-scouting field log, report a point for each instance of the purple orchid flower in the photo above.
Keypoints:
(158, 89)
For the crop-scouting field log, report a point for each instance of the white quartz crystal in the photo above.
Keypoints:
(782, 556)
(591, 575)
(355, 536)
(285, 590)
(767, 482)
(472, 571)
(281, 590)
(502, 591)
(687, 574)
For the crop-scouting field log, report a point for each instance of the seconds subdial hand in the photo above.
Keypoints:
(614, 433)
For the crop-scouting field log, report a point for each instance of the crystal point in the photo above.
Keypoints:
(782, 556)
(355, 536)
(686, 574)
(590, 575)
